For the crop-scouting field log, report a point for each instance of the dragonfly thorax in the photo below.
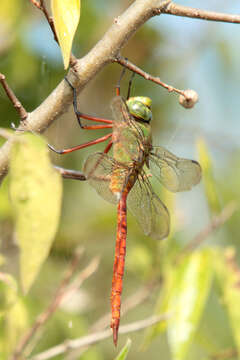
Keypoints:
(139, 107)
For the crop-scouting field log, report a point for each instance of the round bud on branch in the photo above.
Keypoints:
(188, 99)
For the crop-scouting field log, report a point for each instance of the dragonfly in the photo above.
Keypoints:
(123, 178)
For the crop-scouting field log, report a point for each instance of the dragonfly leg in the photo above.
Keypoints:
(80, 115)
(82, 146)
(130, 85)
(70, 174)
(108, 147)
(119, 81)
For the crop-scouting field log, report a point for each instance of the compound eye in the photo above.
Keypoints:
(139, 109)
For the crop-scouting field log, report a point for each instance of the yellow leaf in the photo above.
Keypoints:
(66, 14)
(9, 12)
(35, 192)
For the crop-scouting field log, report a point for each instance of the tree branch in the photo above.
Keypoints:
(188, 98)
(139, 296)
(186, 11)
(99, 336)
(103, 53)
(63, 290)
(215, 224)
(127, 64)
(12, 97)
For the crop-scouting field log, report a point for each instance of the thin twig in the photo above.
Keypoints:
(84, 274)
(36, 3)
(188, 98)
(130, 303)
(69, 292)
(216, 222)
(98, 336)
(61, 292)
(45, 315)
(49, 20)
(41, 6)
(71, 174)
(14, 100)
(104, 52)
(186, 11)
(127, 64)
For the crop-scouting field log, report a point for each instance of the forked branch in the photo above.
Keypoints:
(103, 53)
(63, 290)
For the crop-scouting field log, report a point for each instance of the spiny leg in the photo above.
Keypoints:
(130, 85)
(119, 81)
(82, 146)
(80, 115)
(108, 125)
(108, 147)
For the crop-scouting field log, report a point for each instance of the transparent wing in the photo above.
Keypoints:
(120, 111)
(176, 174)
(98, 168)
(150, 212)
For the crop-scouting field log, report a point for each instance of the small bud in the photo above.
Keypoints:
(189, 99)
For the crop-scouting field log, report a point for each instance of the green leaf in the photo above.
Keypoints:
(183, 296)
(35, 191)
(229, 279)
(190, 290)
(66, 15)
(16, 323)
(208, 177)
(124, 352)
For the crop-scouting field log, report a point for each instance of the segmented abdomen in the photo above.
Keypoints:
(119, 263)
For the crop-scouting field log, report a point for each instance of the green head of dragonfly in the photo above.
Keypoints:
(139, 107)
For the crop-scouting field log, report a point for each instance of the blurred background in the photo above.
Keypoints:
(183, 52)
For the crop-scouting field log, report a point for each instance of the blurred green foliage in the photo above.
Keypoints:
(199, 288)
